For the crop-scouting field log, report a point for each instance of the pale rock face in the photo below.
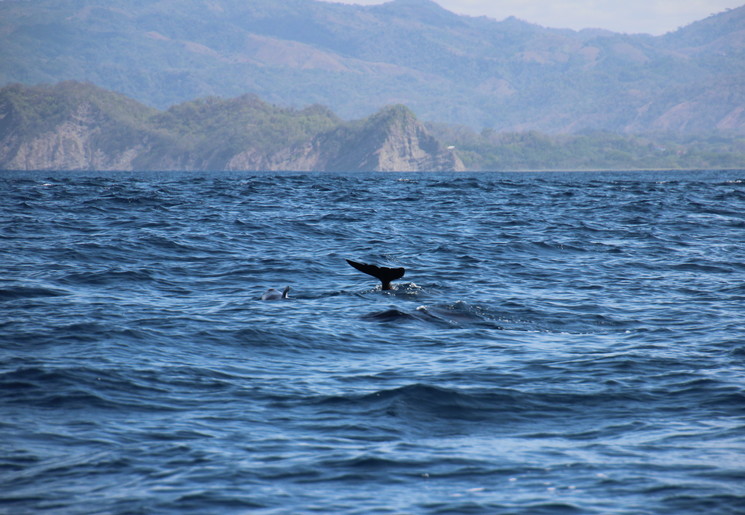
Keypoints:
(391, 141)
(409, 148)
(70, 146)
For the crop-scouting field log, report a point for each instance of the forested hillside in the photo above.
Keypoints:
(77, 126)
(505, 75)
(594, 150)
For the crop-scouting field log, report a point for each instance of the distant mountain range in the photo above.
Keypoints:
(504, 75)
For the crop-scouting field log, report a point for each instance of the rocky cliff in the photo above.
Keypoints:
(74, 144)
(391, 140)
(74, 126)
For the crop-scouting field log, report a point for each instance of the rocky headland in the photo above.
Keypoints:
(78, 126)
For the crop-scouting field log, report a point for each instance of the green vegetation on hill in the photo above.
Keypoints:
(217, 129)
(29, 111)
(35, 109)
(532, 150)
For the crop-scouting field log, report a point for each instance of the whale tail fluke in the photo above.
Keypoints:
(384, 274)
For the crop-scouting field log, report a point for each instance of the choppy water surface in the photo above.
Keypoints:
(561, 343)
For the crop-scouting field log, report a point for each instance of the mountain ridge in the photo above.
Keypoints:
(506, 75)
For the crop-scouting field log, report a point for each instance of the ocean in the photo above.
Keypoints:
(566, 343)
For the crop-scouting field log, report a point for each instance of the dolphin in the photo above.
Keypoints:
(384, 274)
(272, 294)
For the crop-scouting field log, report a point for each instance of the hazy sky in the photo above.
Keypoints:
(649, 16)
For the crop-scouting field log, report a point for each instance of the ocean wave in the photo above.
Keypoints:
(78, 388)
(26, 292)
(423, 402)
(111, 276)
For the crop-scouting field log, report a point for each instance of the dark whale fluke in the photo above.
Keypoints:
(272, 294)
(384, 274)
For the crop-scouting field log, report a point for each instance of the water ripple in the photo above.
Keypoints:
(561, 342)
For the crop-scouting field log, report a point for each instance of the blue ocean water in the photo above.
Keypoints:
(560, 343)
